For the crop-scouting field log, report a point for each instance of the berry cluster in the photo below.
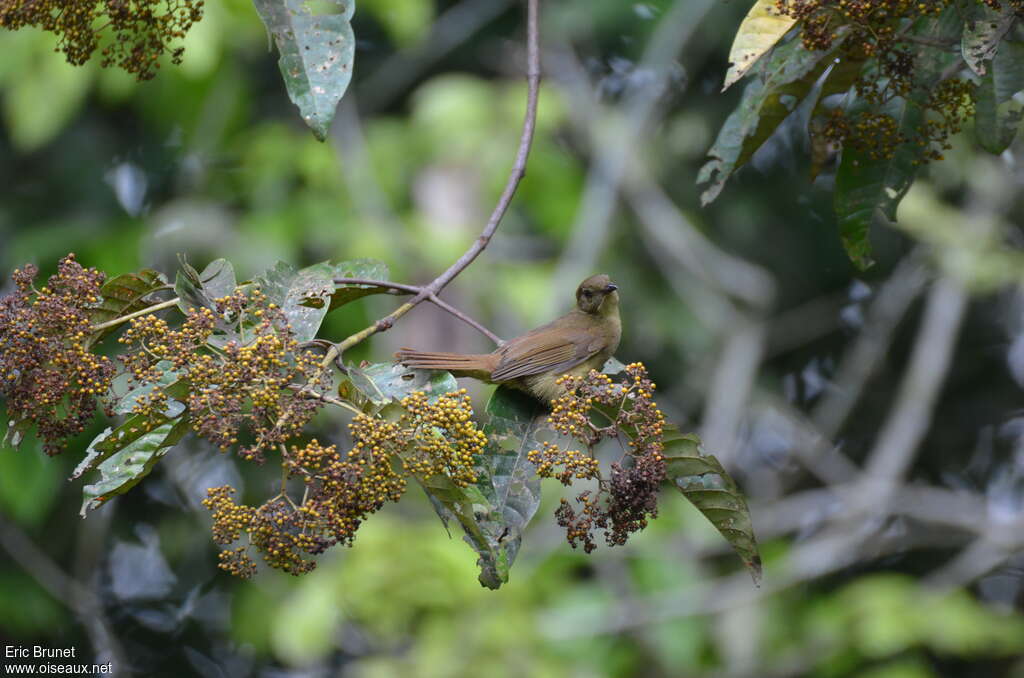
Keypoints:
(877, 33)
(47, 372)
(628, 498)
(139, 32)
(428, 439)
(251, 382)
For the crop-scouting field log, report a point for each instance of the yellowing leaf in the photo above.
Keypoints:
(761, 29)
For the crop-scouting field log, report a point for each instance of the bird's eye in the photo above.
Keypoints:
(586, 293)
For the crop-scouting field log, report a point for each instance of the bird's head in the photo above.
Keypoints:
(597, 294)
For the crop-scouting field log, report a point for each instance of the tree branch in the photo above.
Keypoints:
(398, 288)
(515, 176)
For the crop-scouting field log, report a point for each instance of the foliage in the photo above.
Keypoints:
(242, 373)
(134, 35)
(882, 85)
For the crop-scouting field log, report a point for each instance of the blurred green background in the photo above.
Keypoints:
(743, 313)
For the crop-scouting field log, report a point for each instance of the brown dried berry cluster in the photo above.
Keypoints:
(47, 372)
(876, 33)
(628, 498)
(429, 439)
(134, 33)
(251, 382)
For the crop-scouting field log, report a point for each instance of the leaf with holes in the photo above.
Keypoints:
(507, 480)
(983, 32)
(289, 288)
(703, 481)
(366, 269)
(317, 48)
(136, 427)
(120, 472)
(763, 26)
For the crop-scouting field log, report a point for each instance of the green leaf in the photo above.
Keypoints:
(168, 377)
(317, 47)
(507, 480)
(366, 269)
(198, 290)
(867, 187)
(760, 30)
(122, 471)
(125, 294)
(289, 288)
(787, 77)
(997, 114)
(382, 383)
(136, 427)
(983, 32)
(707, 486)
(473, 512)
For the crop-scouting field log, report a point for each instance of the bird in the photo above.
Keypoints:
(581, 340)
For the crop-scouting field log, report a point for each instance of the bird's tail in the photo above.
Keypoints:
(461, 365)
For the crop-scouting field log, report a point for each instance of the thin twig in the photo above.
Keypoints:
(305, 393)
(399, 288)
(515, 176)
(125, 318)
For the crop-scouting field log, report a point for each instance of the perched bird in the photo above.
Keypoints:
(581, 340)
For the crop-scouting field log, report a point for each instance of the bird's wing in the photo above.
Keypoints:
(545, 350)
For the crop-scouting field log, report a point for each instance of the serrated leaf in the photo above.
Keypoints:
(867, 187)
(317, 50)
(113, 441)
(507, 480)
(787, 77)
(760, 30)
(366, 269)
(982, 35)
(703, 481)
(997, 114)
(289, 288)
(122, 471)
(125, 294)
(382, 383)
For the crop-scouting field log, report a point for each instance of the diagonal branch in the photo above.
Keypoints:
(399, 288)
(515, 176)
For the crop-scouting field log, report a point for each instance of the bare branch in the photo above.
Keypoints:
(399, 288)
(515, 176)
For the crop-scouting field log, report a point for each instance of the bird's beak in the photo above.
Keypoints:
(611, 287)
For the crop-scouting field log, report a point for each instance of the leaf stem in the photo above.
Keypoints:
(131, 316)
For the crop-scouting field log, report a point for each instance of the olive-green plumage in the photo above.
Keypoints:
(581, 340)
